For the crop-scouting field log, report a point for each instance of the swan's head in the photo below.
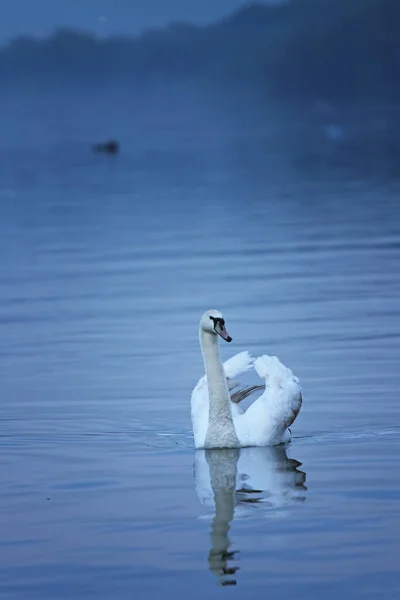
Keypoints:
(213, 322)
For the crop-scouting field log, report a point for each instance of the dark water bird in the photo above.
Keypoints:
(110, 147)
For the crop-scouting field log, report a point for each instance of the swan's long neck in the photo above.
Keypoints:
(221, 431)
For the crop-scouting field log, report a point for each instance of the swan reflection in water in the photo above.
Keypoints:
(231, 481)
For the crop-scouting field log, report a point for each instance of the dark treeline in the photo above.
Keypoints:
(331, 50)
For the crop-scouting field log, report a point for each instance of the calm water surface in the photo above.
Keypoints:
(106, 266)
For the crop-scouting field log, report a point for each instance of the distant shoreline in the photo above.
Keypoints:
(336, 51)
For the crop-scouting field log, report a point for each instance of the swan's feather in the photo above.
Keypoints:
(246, 392)
(240, 363)
(273, 371)
(267, 419)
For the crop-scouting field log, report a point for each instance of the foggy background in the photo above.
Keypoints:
(106, 17)
(329, 66)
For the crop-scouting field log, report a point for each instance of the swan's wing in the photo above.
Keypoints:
(275, 410)
(245, 392)
(274, 372)
(240, 363)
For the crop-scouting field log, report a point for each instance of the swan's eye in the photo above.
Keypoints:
(218, 320)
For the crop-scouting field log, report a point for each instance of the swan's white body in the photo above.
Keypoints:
(217, 421)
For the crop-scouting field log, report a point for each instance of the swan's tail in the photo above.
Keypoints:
(273, 371)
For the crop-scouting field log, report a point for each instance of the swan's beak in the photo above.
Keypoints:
(220, 329)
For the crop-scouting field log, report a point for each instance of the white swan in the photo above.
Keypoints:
(217, 419)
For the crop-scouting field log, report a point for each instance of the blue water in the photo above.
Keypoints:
(106, 266)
